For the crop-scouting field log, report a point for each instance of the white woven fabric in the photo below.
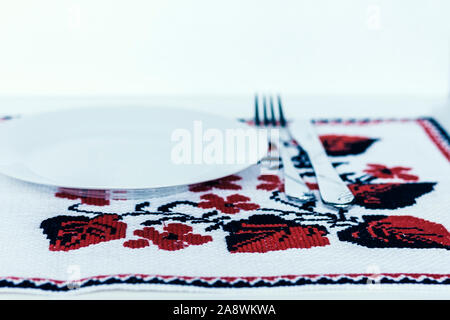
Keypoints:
(240, 231)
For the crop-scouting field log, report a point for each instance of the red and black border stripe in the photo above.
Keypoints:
(226, 282)
(437, 134)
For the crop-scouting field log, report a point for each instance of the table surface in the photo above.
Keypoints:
(242, 107)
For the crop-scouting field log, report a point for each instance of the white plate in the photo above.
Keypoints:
(111, 148)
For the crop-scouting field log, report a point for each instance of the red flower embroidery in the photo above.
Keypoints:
(397, 232)
(383, 172)
(341, 145)
(263, 233)
(176, 236)
(226, 183)
(70, 233)
(271, 182)
(389, 195)
(94, 197)
(233, 204)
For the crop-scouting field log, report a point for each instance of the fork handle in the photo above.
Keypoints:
(294, 186)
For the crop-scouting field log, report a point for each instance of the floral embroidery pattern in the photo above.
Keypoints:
(231, 205)
(270, 182)
(342, 145)
(397, 232)
(383, 172)
(389, 195)
(295, 226)
(263, 233)
(70, 233)
(227, 183)
(176, 236)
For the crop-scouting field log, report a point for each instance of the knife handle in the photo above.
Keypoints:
(333, 190)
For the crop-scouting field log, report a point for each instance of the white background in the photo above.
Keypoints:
(233, 47)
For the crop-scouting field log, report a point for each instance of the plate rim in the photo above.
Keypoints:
(233, 169)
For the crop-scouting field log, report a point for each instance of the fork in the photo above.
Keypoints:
(333, 190)
(294, 187)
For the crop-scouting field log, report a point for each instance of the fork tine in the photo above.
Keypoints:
(280, 109)
(273, 120)
(257, 120)
(266, 120)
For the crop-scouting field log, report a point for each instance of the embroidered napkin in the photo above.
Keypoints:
(240, 231)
